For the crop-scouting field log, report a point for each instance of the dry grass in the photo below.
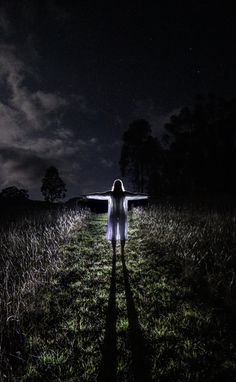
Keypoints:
(29, 256)
(176, 285)
(199, 241)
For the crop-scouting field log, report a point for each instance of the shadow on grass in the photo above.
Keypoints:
(108, 369)
(141, 368)
(109, 352)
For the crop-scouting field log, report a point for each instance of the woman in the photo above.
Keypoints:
(117, 224)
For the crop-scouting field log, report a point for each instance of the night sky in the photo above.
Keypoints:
(74, 74)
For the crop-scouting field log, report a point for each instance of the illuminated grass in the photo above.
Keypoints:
(181, 267)
(30, 255)
(177, 286)
(71, 314)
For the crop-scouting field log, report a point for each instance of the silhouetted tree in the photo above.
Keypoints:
(198, 154)
(14, 194)
(53, 188)
(140, 158)
(202, 154)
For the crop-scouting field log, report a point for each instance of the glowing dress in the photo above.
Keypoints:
(117, 217)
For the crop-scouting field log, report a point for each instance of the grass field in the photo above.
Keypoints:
(164, 312)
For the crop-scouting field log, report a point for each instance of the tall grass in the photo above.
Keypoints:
(29, 255)
(186, 290)
(200, 242)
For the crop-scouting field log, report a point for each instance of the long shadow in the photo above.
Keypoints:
(109, 352)
(141, 368)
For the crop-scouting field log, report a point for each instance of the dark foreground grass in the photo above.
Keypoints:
(182, 268)
(30, 254)
(155, 314)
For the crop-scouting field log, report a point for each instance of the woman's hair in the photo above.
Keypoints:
(118, 186)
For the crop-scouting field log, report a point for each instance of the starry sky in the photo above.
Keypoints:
(74, 74)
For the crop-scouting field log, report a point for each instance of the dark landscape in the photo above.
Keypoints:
(91, 94)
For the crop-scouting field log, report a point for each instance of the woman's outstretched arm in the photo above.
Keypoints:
(99, 195)
(135, 195)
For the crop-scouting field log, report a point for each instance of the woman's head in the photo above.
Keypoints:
(118, 186)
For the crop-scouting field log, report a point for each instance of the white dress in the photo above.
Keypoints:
(117, 218)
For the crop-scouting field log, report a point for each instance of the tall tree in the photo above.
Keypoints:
(53, 188)
(202, 152)
(140, 155)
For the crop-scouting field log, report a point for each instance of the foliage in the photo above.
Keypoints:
(197, 155)
(202, 151)
(140, 155)
(53, 188)
(14, 194)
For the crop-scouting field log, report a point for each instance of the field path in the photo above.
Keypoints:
(87, 325)
(136, 318)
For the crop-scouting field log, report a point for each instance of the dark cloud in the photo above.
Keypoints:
(4, 22)
(33, 130)
(74, 75)
(21, 167)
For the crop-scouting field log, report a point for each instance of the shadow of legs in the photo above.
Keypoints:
(109, 352)
(140, 364)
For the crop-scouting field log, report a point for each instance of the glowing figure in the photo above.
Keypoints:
(117, 222)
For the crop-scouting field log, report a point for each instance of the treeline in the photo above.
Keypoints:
(197, 153)
(53, 189)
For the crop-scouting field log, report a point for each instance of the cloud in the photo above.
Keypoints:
(78, 100)
(33, 108)
(33, 134)
(14, 163)
(4, 22)
(106, 162)
(35, 128)
(49, 101)
(25, 115)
